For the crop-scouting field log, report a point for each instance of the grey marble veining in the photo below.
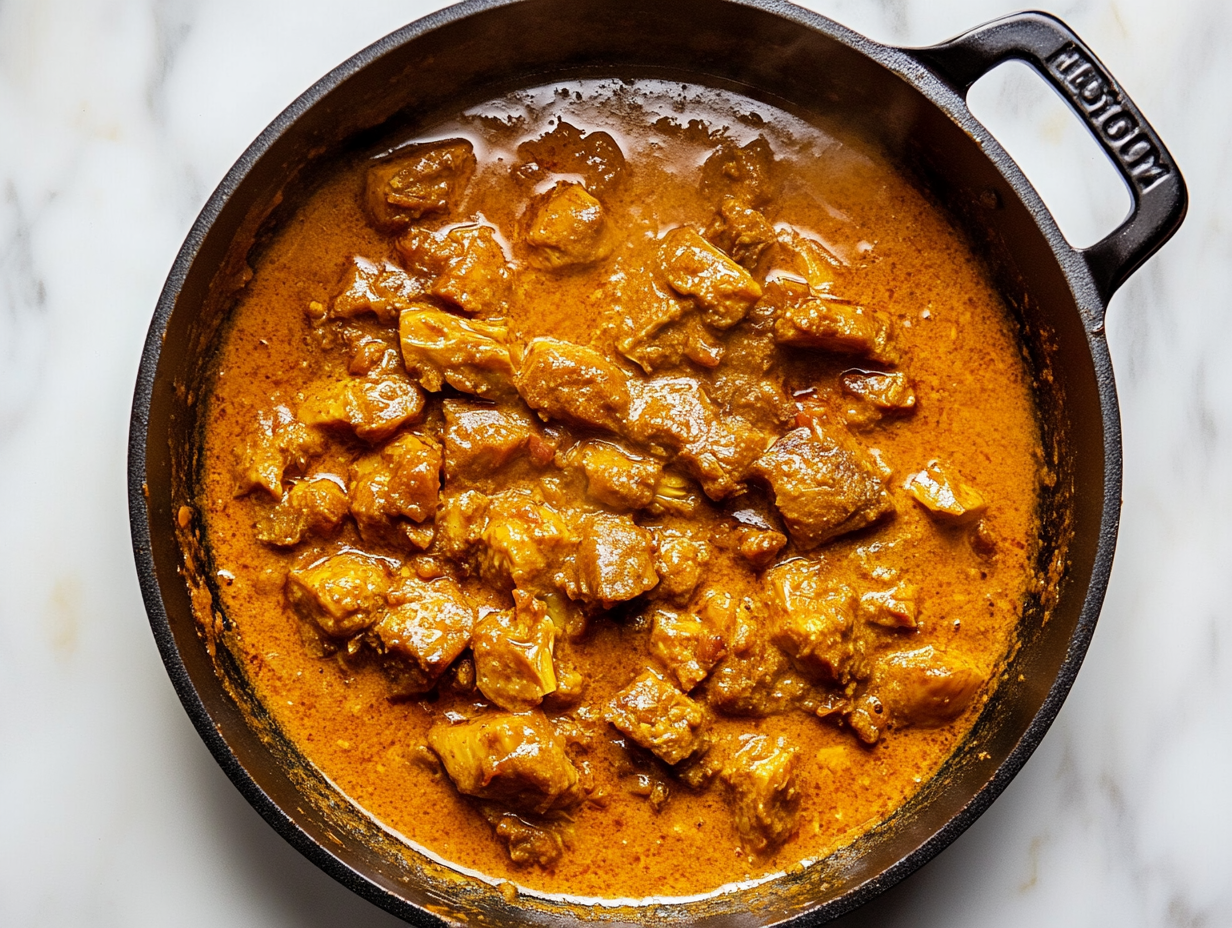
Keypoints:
(117, 119)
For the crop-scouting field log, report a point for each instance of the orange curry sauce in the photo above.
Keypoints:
(844, 642)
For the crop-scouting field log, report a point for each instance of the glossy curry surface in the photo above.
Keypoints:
(627, 489)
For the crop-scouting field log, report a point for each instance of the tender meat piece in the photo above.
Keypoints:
(574, 384)
(343, 594)
(750, 382)
(813, 621)
(374, 408)
(747, 681)
(513, 654)
(893, 608)
(760, 546)
(525, 543)
(743, 173)
(674, 415)
(925, 687)
(983, 539)
(742, 232)
(416, 182)
(616, 476)
(888, 392)
(660, 718)
(279, 444)
(401, 481)
(372, 354)
(679, 563)
(944, 494)
(812, 261)
(657, 328)
(469, 355)
(568, 150)
(460, 522)
(766, 797)
(516, 760)
(805, 320)
(689, 340)
(565, 228)
(690, 644)
(649, 784)
(428, 625)
(383, 289)
(671, 414)
(466, 265)
(528, 843)
(724, 290)
(481, 439)
(615, 560)
(823, 486)
(315, 506)
(866, 717)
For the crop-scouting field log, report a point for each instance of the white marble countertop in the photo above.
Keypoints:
(117, 117)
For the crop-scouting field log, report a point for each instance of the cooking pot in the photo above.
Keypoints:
(911, 101)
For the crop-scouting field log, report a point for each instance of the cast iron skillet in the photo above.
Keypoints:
(912, 101)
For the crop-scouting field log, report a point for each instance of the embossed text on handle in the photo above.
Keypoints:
(1116, 126)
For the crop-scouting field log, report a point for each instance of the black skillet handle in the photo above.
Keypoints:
(1047, 44)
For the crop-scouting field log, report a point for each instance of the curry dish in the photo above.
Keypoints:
(624, 490)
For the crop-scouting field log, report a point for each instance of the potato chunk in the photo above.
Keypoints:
(574, 384)
(401, 481)
(373, 408)
(615, 560)
(724, 291)
(314, 506)
(823, 486)
(513, 654)
(416, 182)
(762, 779)
(944, 495)
(428, 625)
(565, 228)
(466, 266)
(343, 594)
(515, 760)
(659, 717)
(469, 355)
(813, 621)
